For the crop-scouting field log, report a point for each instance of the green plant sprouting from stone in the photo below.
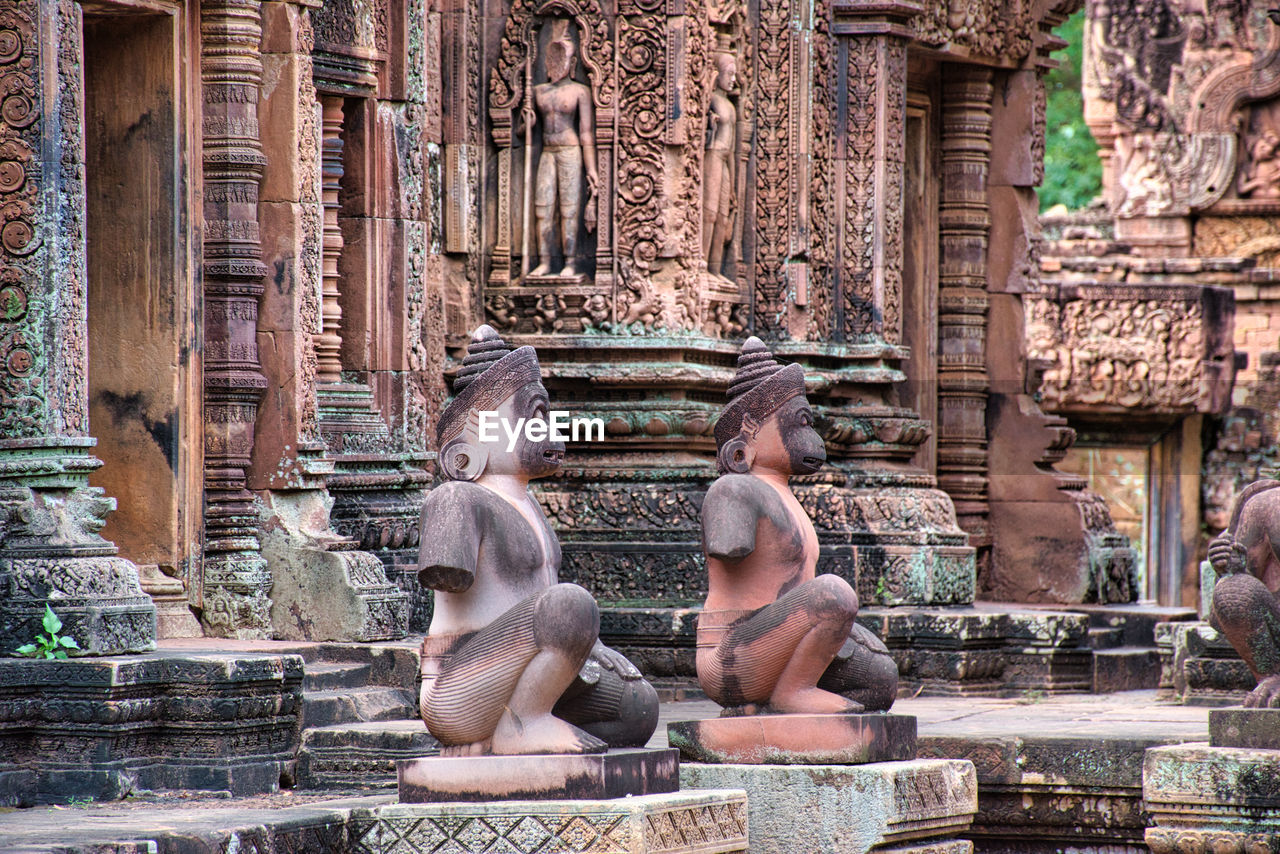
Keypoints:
(51, 645)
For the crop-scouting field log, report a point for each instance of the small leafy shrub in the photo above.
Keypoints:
(51, 645)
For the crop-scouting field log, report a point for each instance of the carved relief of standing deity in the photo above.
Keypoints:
(719, 209)
(563, 108)
(1260, 178)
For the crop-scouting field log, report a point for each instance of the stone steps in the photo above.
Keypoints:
(360, 754)
(325, 676)
(1105, 637)
(359, 715)
(348, 705)
(1125, 668)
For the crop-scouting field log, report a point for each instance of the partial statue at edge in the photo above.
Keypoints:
(772, 637)
(1246, 599)
(719, 184)
(567, 116)
(512, 663)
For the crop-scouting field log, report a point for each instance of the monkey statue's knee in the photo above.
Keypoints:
(882, 684)
(1240, 604)
(566, 618)
(863, 671)
(619, 712)
(832, 600)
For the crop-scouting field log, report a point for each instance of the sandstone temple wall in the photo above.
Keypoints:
(297, 209)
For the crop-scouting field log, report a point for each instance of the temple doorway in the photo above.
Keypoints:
(144, 400)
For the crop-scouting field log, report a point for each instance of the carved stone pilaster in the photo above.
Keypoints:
(962, 301)
(909, 550)
(381, 318)
(236, 582)
(329, 341)
(50, 549)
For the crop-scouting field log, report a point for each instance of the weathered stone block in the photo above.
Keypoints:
(322, 587)
(1043, 795)
(616, 774)
(706, 822)
(102, 728)
(839, 809)
(796, 739)
(985, 650)
(1253, 728)
(1220, 799)
(1199, 666)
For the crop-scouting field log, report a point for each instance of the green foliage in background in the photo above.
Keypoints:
(1072, 171)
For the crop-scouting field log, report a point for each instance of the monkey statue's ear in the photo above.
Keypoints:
(735, 456)
(463, 460)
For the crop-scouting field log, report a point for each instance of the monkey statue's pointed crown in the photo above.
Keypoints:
(491, 372)
(759, 389)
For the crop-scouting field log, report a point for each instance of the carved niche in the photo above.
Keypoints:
(529, 293)
(651, 71)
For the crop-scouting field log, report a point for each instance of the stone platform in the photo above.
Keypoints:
(1224, 800)
(101, 727)
(796, 739)
(1055, 773)
(916, 806)
(180, 823)
(595, 776)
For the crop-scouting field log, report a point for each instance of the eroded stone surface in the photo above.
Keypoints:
(1219, 799)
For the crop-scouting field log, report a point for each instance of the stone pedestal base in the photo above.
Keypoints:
(1220, 799)
(796, 739)
(838, 809)
(706, 822)
(616, 774)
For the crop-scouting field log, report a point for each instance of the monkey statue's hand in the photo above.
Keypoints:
(1227, 556)
(611, 659)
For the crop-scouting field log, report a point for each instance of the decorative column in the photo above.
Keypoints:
(323, 587)
(329, 341)
(869, 167)
(902, 529)
(964, 224)
(236, 582)
(374, 353)
(50, 550)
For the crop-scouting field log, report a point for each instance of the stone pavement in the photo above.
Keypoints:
(1127, 714)
(1001, 735)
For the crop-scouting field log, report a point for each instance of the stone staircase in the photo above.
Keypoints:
(359, 715)
(1125, 656)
